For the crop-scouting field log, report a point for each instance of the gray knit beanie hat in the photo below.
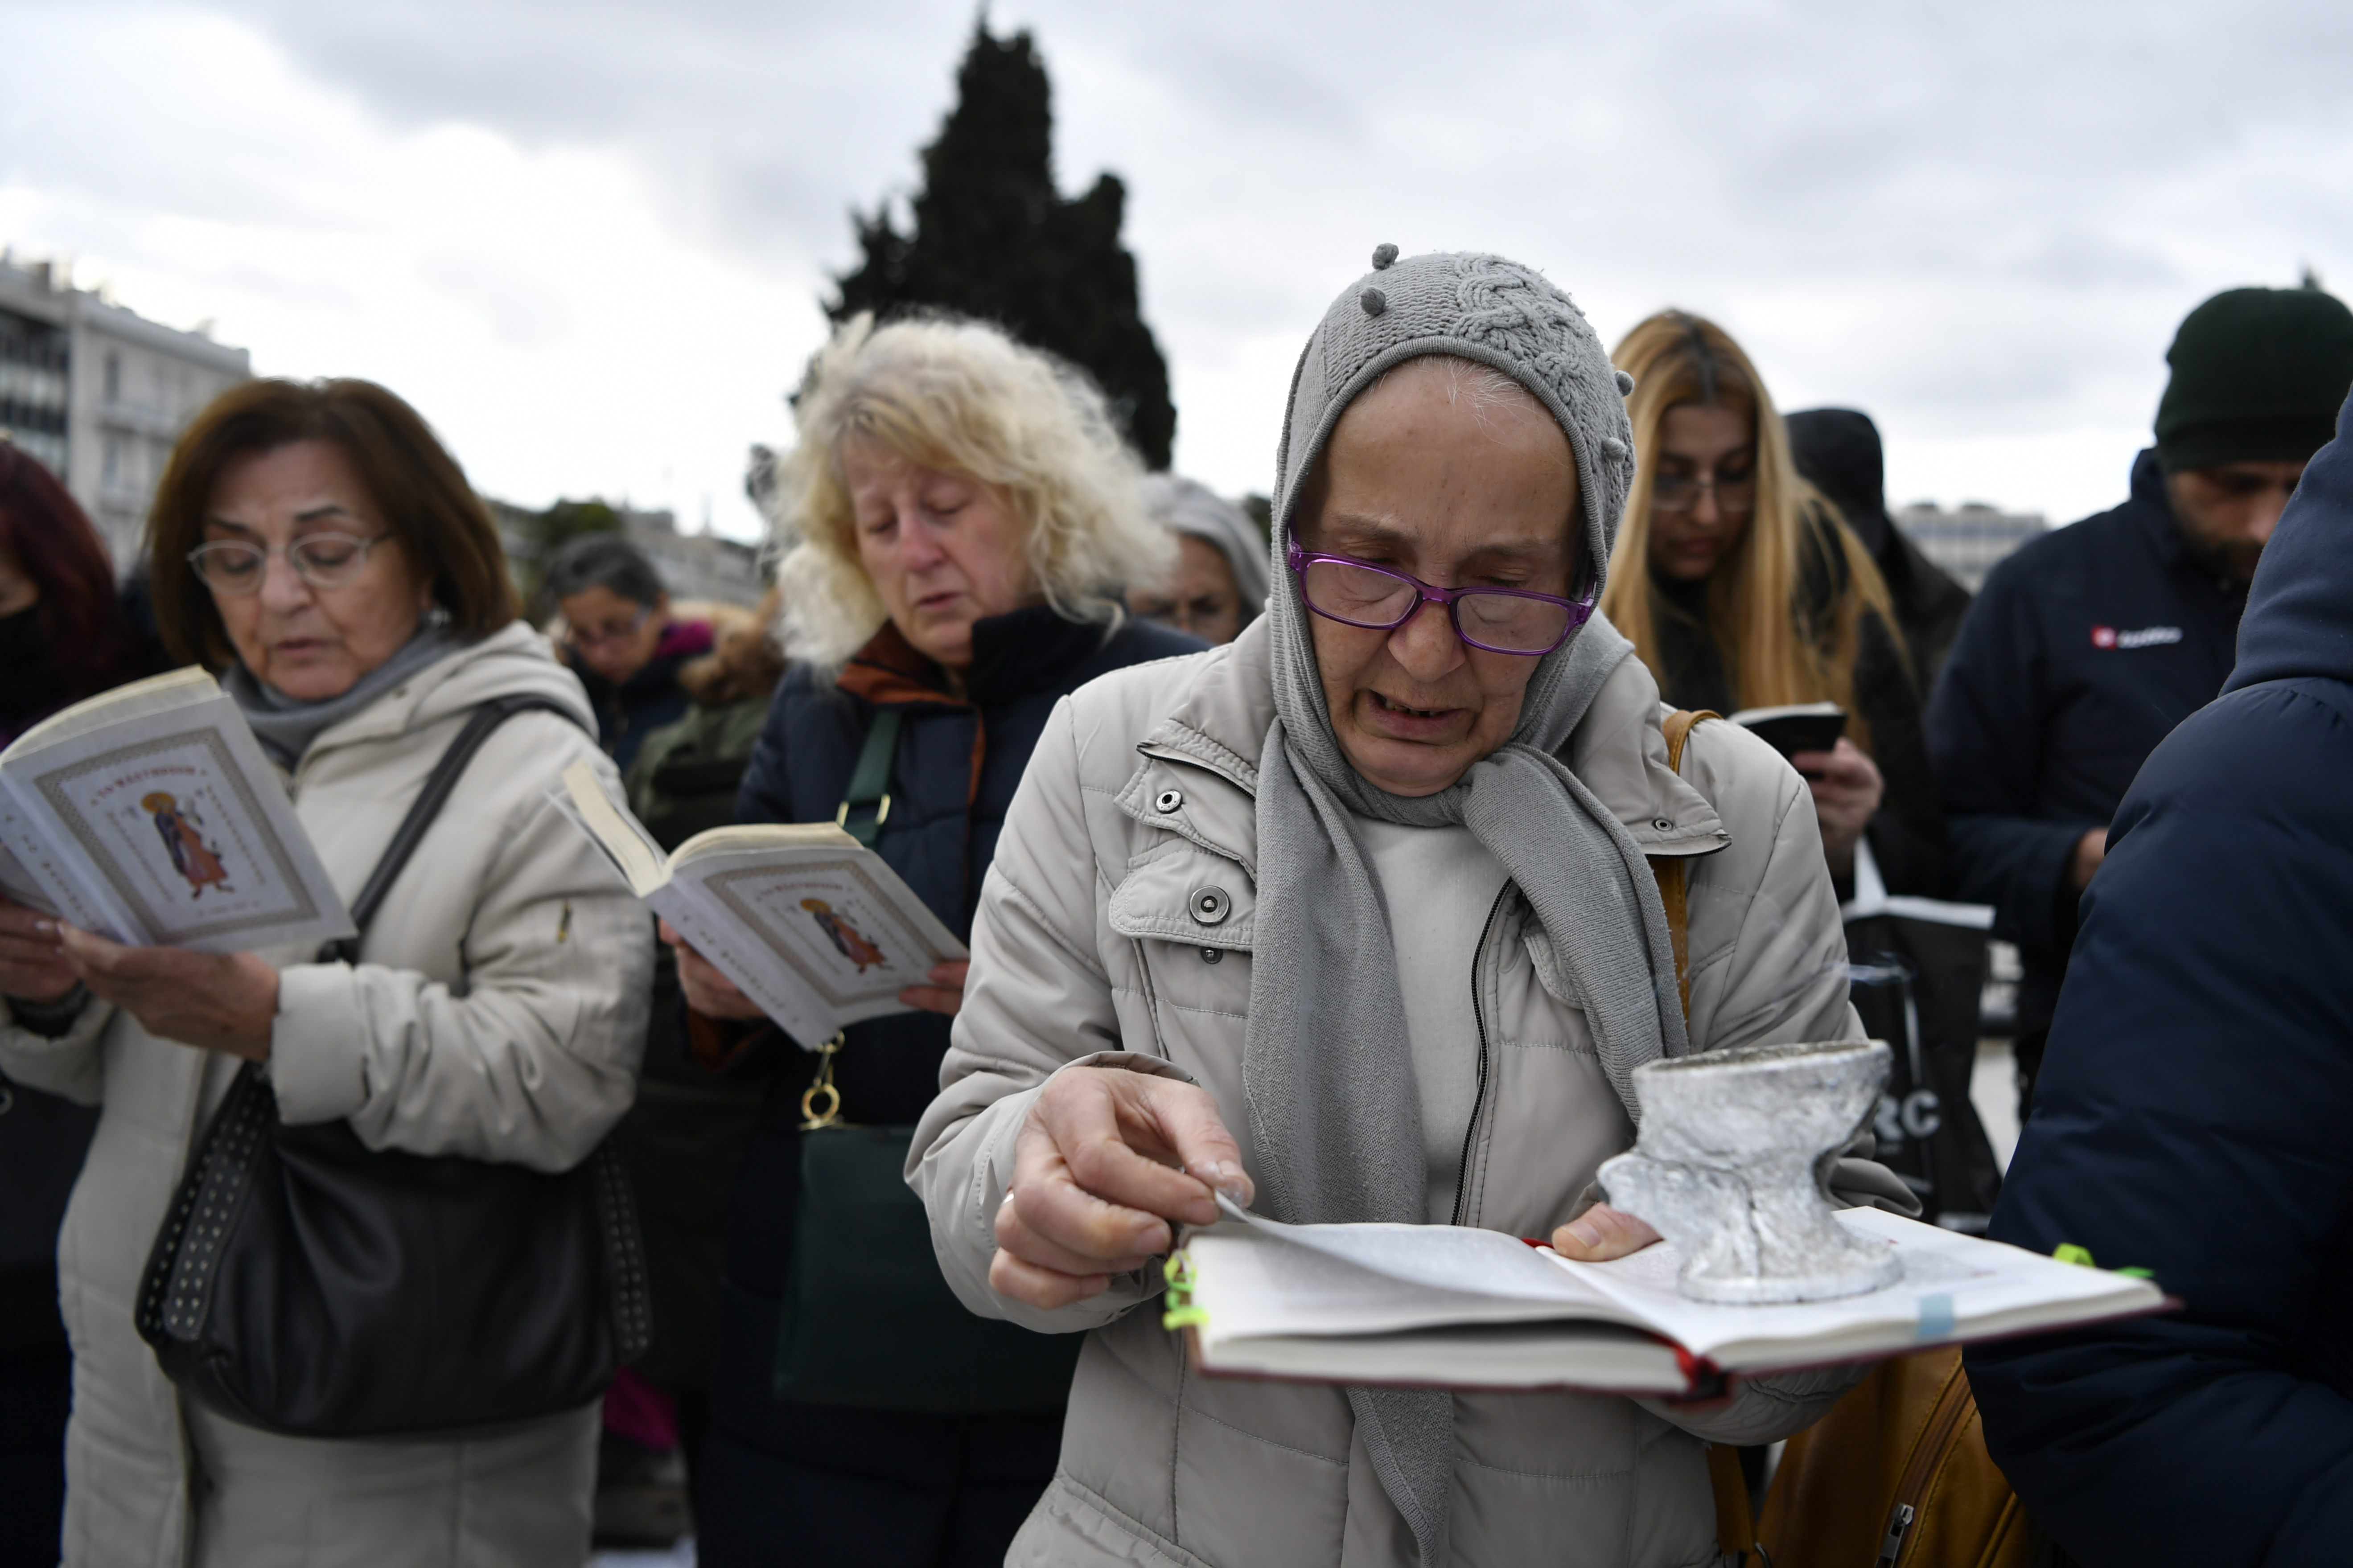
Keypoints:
(1195, 510)
(1476, 307)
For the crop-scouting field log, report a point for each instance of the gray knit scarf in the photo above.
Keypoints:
(287, 725)
(1326, 1066)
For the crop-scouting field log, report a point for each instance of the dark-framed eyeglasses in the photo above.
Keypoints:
(1382, 598)
(234, 568)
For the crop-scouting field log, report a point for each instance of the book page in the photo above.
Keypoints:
(33, 875)
(1459, 1260)
(634, 852)
(1254, 1282)
(174, 824)
(832, 922)
(155, 694)
(814, 928)
(1954, 1287)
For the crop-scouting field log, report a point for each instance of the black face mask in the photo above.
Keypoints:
(33, 685)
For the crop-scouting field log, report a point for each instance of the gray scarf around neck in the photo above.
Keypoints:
(1327, 1069)
(287, 725)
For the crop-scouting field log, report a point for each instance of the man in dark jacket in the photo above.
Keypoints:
(2089, 644)
(1839, 451)
(2193, 1112)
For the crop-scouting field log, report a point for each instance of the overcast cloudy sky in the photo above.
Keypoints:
(588, 237)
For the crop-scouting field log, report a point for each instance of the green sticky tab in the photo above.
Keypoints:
(1185, 1318)
(2068, 1252)
(2137, 1273)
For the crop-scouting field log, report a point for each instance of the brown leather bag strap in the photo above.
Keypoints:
(1673, 871)
(1735, 1522)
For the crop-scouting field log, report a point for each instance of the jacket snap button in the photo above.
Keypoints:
(1167, 800)
(1210, 905)
(1663, 823)
(1211, 955)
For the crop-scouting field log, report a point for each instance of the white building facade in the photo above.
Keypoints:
(1968, 541)
(99, 394)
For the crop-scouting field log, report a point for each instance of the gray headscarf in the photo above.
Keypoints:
(1326, 1066)
(1195, 509)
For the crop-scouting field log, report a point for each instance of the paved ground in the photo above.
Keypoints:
(1993, 1090)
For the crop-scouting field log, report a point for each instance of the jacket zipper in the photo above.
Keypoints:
(1479, 1015)
(1955, 1406)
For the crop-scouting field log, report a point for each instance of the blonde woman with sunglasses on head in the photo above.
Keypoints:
(1740, 588)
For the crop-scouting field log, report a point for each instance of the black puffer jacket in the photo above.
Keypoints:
(2192, 1115)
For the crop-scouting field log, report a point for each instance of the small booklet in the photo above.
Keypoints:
(1796, 727)
(810, 923)
(149, 814)
(1451, 1307)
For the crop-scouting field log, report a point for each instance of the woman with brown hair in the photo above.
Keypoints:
(317, 545)
(1740, 588)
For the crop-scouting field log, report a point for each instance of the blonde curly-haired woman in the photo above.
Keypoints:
(959, 524)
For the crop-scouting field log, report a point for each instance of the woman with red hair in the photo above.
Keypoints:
(63, 634)
(63, 637)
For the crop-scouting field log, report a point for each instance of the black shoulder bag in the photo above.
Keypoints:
(867, 1322)
(306, 1284)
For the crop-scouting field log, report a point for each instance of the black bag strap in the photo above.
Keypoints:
(430, 801)
(870, 781)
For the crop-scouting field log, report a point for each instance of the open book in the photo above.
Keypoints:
(150, 815)
(811, 924)
(1447, 1306)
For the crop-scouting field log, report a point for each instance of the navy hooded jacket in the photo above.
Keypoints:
(2084, 651)
(2194, 1114)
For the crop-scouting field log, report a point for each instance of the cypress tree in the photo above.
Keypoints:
(993, 237)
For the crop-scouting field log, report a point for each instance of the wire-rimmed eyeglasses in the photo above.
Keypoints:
(1734, 496)
(233, 567)
(1382, 598)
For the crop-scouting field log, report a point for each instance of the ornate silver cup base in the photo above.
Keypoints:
(1732, 1165)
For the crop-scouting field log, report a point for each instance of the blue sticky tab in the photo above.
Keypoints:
(1935, 1317)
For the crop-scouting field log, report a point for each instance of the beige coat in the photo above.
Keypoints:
(497, 1012)
(1084, 945)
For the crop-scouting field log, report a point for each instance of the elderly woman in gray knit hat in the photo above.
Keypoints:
(1357, 915)
(1217, 584)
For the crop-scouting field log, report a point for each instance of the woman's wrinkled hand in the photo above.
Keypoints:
(215, 1002)
(1107, 1162)
(1847, 789)
(33, 963)
(1600, 1234)
(945, 992)
(708, 991)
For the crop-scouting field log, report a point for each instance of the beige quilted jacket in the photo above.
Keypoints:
(1086, 954)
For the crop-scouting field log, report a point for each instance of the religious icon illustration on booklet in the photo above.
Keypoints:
(814, 926)
(149, 814)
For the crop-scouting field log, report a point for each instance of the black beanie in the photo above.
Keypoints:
(2258, 377)
(1838, 450)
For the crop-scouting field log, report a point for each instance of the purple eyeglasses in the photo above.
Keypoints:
(1381, 598)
